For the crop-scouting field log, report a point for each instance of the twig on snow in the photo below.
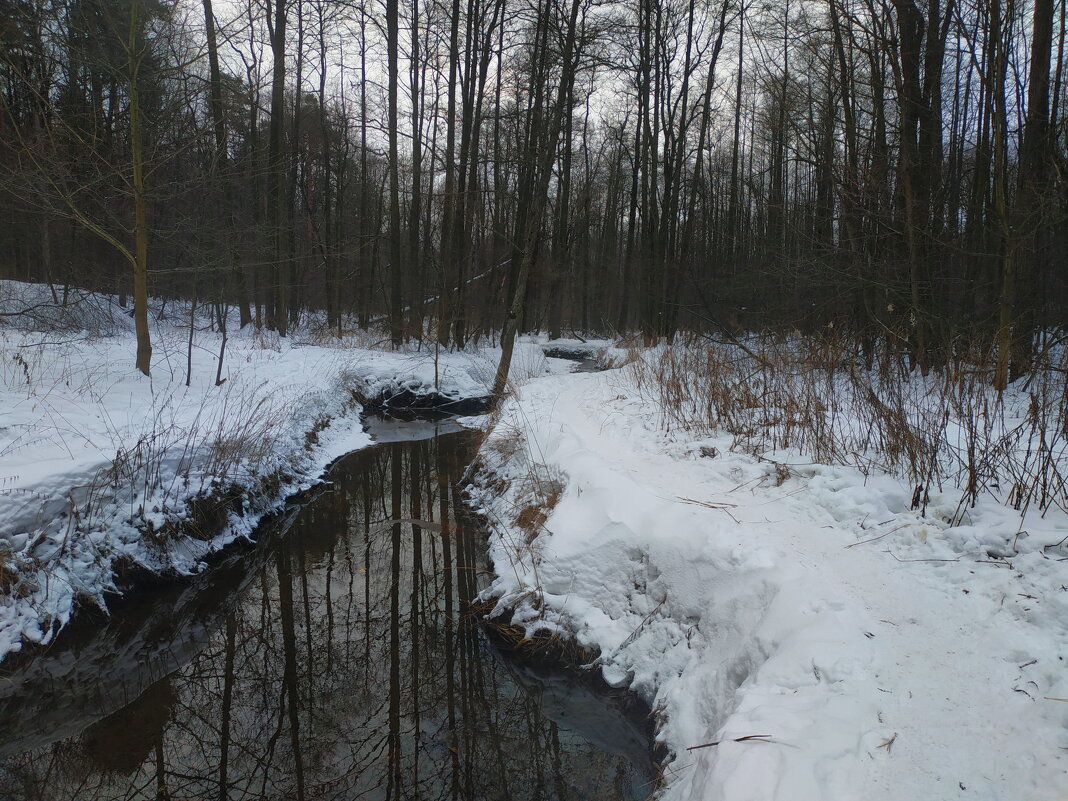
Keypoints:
(760, 738)
(873, 539)
(721, 506)
(899, 559)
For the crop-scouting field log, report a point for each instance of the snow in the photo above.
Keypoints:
(98, 463)
(799, 630)
(863, 648)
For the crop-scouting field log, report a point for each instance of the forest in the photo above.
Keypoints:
(573, 400)
(892, 169)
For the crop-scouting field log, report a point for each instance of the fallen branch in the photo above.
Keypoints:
(760, 738)
(899, 559)
(641, 626)
(721, 506)
(708, 504)
(873, 539)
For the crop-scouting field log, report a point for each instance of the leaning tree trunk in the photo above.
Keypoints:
(532, 224)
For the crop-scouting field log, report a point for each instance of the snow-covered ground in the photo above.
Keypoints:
(800, 631)
(98, 463)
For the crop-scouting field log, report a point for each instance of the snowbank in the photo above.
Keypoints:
(102, 468)
(798, 626)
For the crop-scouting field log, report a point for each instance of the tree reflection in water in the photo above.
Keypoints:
(338, 660)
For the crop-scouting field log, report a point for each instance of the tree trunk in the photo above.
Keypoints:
(278, 317)
(545, 152)
(140, 262)
(396, 301)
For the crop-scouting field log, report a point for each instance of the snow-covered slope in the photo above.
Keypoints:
(98, 463)
(797, 626)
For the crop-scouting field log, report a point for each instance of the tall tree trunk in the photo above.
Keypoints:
(415, 208)
(1035, 175)
(140, 262)
(296, 170)
(1005, 238)
(697, 184)
(446, 312)
(545, 152)
(735, 204)
(235, 277)
(911, 31)
(396, 301)
(327, 239)
(278, 317)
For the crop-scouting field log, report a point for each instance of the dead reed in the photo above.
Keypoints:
(816, 396)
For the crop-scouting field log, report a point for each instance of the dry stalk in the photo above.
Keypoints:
(817, 396)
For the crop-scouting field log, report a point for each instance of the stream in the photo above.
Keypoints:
(335, 658)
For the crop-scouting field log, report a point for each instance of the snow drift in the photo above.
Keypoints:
(801, 632)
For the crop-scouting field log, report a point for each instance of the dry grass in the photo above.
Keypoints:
(9, 576)
(542, 646)
(512, 470)
(544, 497)
(816, 396)
(178, 479)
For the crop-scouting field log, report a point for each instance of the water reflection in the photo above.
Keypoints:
(338, 661)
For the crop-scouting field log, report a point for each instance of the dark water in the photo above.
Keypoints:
(587, 365)
(338, 661)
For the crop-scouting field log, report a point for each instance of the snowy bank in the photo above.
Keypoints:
(103, 469)
(800, 631)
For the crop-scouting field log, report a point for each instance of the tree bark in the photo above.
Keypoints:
(140, 263)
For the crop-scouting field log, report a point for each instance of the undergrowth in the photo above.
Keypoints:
(817, 396)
